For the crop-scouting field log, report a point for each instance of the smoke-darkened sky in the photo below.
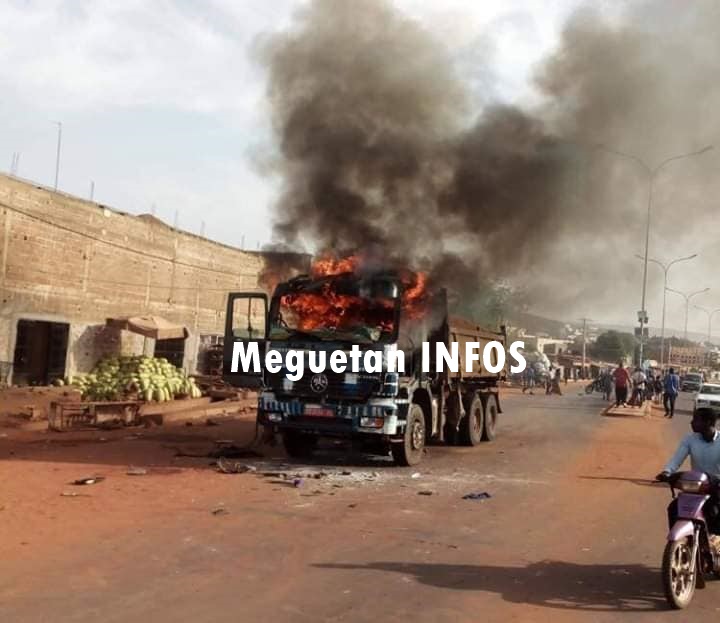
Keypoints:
(386, 142)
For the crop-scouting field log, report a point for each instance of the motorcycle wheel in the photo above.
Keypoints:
(679, 573)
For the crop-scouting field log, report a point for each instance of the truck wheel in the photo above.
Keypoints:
(410, 451)
(299, 445)
(471, 427)
(491, 415)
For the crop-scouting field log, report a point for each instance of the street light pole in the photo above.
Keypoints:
(710, 314)
(57, 157)
(687, 298)
(666, 268)
(652, 174)
(584, 345)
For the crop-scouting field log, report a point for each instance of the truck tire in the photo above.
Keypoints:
(410, 451)
(299, 445)
(491, 415)
(471, 427)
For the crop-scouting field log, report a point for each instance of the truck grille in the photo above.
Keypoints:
(337, 388)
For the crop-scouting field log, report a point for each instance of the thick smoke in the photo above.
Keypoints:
(382, 150)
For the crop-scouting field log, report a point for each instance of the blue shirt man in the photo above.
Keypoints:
(672, 389)
(702, 446)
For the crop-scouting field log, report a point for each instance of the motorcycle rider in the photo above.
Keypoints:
(703, 448)
(639, 379)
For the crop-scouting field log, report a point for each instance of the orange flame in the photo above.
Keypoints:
(343, 312)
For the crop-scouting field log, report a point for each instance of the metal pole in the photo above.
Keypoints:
(57, 158)
(645, 268)
(92, 189)
(666, 270)
(652, 173)
(687, 298)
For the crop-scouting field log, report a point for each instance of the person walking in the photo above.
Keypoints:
(607, 385)
(672, 389)
(622, 381)
(555, 385)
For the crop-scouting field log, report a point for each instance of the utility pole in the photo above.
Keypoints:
(652, 174)
(92, 189)
(584, 344)
(666, 268)
(687, 298)
(710, 314)
(57, 157)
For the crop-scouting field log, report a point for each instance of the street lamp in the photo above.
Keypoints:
(710, 314)
(687, 298)
(666, 268)
(652, 173)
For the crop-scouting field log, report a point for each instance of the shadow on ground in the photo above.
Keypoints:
(552, 584)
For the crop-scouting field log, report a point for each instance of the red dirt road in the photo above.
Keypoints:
(572, 531)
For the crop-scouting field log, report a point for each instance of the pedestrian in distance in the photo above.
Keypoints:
(555, 385)
(657, 389)
(621, 377)
(607, 385)
(672, 389)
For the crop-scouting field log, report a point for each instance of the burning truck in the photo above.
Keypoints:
(339, 307)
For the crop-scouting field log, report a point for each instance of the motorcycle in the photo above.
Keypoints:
(689, 555)
(595, 386)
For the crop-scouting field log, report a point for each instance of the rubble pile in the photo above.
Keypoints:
(148, 378)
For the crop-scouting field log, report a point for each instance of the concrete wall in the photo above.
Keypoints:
(70, 260)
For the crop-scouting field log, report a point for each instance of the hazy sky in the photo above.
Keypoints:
(162, 102)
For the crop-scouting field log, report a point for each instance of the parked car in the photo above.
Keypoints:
(691, 382)
(708, 396)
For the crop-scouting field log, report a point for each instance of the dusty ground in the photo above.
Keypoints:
(573, 531)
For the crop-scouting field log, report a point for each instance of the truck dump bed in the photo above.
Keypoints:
(462, 331)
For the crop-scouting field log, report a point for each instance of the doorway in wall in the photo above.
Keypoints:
(40, 352)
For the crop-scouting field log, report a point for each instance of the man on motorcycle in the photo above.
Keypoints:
(703, 448)
(639, 379)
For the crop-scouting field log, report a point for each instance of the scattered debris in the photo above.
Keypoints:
(233, 468)
(352, 505)
(73, 494)
(477, 496)
(211, 422)
(415, 475)
(425, 493)
(89, 481)
(297, 482)
(136, 471)
(220, 511)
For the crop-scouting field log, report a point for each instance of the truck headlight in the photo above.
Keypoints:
(274, 417)
(372, 422)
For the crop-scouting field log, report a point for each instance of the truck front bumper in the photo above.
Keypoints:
(377, 416)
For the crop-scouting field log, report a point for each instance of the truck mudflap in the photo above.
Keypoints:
(381, 416)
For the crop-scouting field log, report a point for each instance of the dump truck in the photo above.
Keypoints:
(387, 412)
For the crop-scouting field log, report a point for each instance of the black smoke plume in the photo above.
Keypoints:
(382, 147)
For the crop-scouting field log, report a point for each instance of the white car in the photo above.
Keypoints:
(708, 396)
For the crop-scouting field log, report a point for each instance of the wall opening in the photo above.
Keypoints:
(40, 352)
(172, 350)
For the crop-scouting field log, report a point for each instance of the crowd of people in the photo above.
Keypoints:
(633, 388)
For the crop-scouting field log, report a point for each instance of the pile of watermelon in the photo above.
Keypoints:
(148, 378)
